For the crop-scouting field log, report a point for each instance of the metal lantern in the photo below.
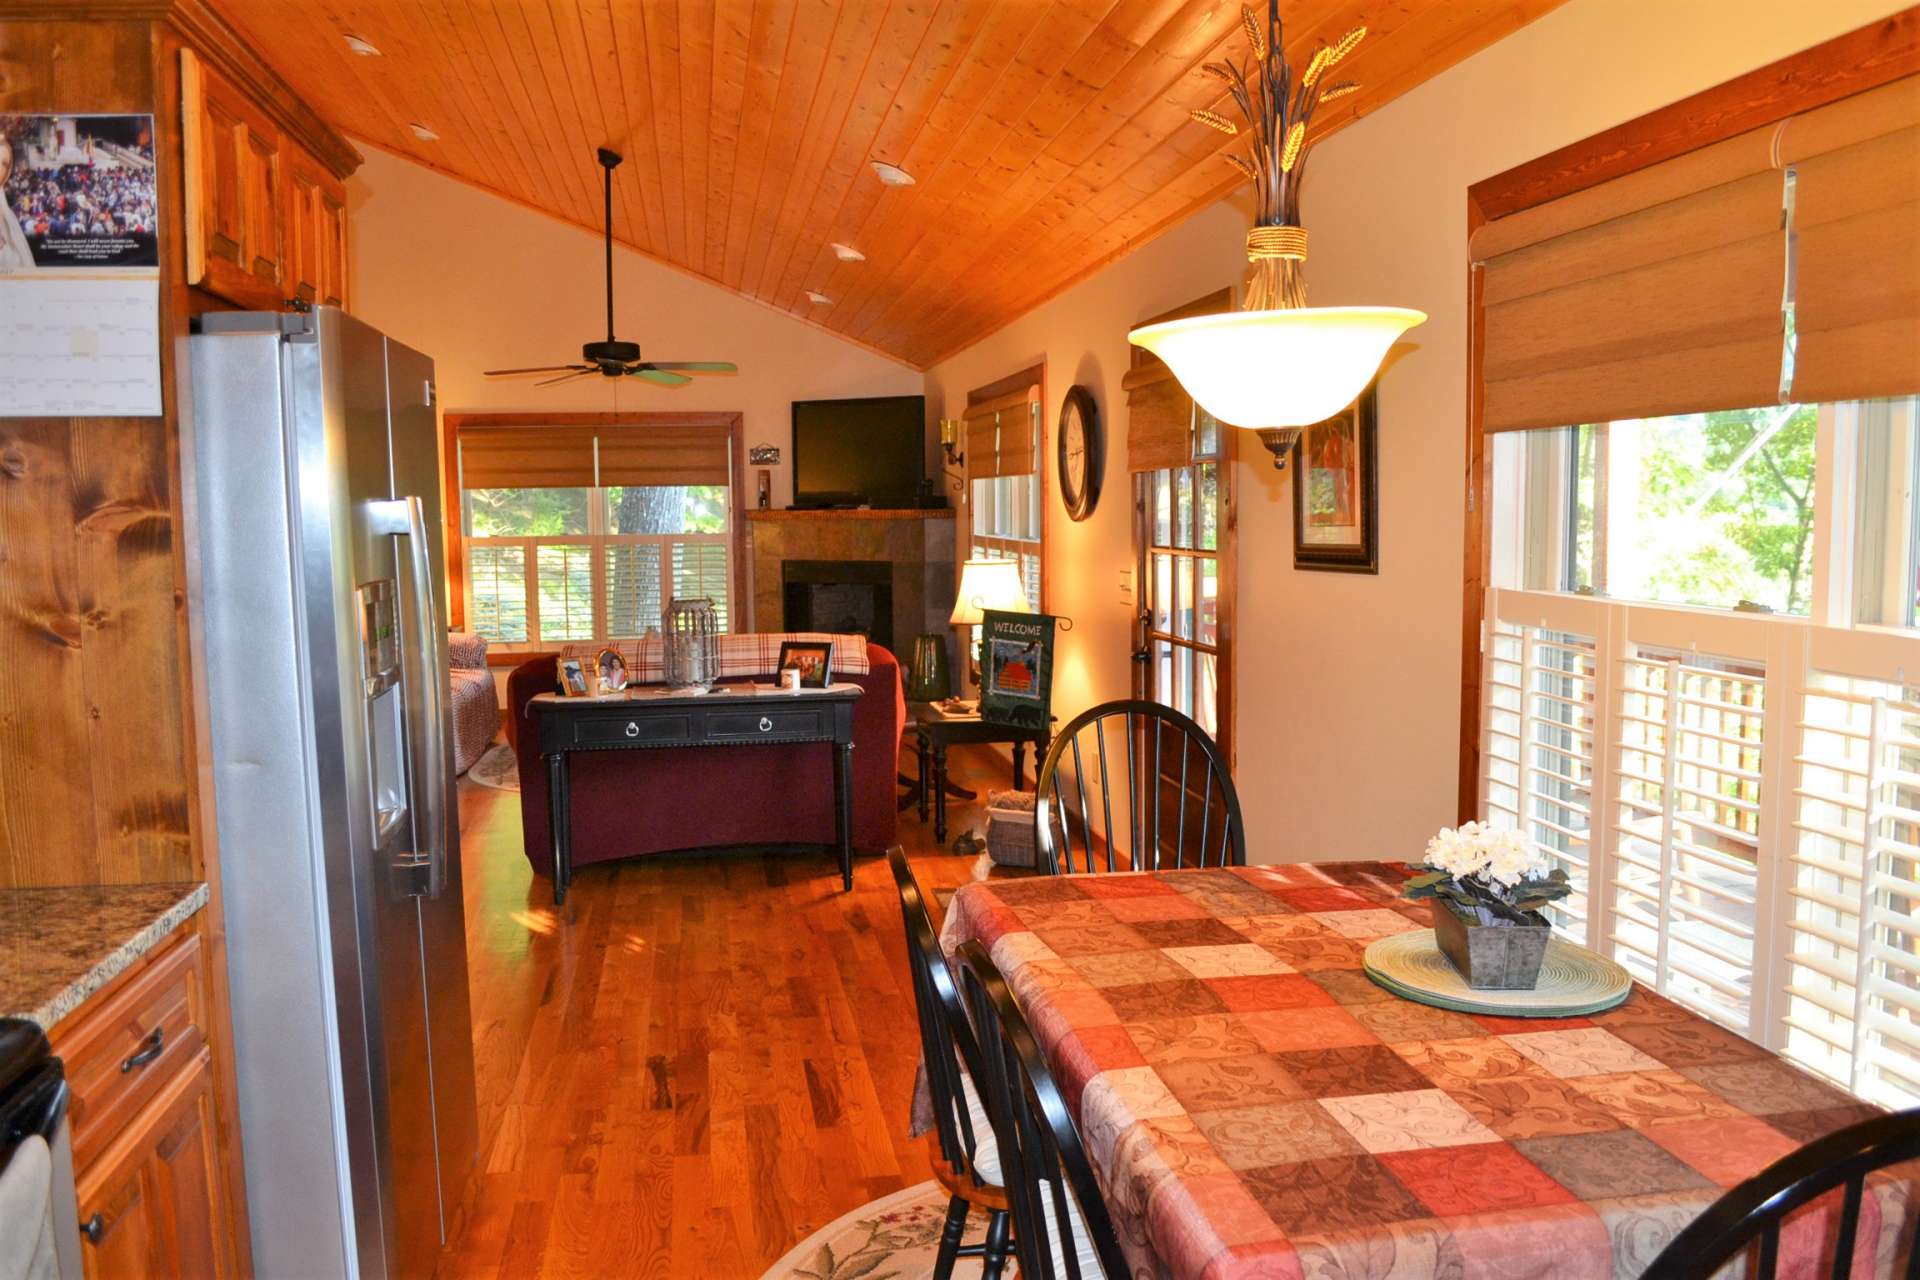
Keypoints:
(692, 644)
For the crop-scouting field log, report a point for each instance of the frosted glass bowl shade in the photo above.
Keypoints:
(1290, 368)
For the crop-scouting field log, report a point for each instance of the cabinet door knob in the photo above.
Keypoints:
(633, 728)
(766, 725)
(93, 1228)
(152, 1048)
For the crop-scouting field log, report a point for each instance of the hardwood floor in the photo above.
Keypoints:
(694, 1063)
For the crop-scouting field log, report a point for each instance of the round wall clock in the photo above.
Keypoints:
(1083, 453)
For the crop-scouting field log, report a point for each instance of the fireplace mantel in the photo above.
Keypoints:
(919, 544)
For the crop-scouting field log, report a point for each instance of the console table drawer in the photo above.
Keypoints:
(772, 722)
(627, 731)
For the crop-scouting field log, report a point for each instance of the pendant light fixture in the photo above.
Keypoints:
(1277, 365)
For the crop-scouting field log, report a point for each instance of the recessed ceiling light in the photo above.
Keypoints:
(423, 133)
(815, 296)
(365, 48)
(892, 174)
(847, 253)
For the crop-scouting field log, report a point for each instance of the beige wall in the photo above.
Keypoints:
(478, 282)
(1348, 686)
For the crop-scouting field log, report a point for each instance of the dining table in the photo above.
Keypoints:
(1253, 1105)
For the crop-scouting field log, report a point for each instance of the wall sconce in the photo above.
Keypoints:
(950, 430)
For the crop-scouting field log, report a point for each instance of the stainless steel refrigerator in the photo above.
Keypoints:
(312, 465)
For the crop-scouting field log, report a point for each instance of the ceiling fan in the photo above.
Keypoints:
(614, 358)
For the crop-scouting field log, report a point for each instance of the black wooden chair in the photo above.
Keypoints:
(1180, 807)
(1061, 1230)
(1753, 1210)
(968, 1167)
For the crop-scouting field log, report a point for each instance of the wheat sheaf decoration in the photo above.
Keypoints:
(1277, 110)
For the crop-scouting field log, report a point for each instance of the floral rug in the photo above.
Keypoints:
(894, 1238)
(497, 769)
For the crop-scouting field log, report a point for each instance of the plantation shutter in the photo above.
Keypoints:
(1159, 417)
(1853, 947)
(1857, 223)
(664, 455)
(1659, 292)
(526, 457)
(1685, 875)
(1538, 751)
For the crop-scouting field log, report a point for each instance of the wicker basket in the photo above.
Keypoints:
(1010, 828)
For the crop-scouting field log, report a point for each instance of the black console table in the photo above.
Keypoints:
(732, 715)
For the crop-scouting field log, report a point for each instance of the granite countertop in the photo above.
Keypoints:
(60, 945)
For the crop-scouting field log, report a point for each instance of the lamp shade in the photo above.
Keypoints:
(1287, 368)
(988, 584)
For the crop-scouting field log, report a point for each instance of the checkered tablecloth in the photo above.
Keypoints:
(1253, 1105)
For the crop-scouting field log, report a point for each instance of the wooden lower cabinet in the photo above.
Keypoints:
(147, 1205)
(148, 1163)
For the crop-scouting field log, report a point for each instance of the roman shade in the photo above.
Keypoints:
(1159, 417)
(655, 455)
(526, 457)
(1000, 434)
(1668, 290)
(1857, 223)
(557, 457)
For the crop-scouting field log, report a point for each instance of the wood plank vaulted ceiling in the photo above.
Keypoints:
(1047, 139)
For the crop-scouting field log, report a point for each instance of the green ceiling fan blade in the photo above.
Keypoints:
(661, 377)
(696, 366)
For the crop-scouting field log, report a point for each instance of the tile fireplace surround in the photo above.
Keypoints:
(918, 544)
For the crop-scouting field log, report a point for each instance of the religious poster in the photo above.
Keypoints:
(1016, 678)
(1335, 491)
(79, 266)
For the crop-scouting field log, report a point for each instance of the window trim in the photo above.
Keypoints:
(452, 501)
(1867, 58)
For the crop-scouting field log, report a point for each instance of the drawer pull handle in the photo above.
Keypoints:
(633, 728)
(154, 1046)
(766, 725)
(93, 1228)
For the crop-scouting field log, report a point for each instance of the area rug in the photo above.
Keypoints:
(497, 769)
(895, 1237)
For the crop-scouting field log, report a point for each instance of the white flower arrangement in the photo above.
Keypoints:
(1495, 874)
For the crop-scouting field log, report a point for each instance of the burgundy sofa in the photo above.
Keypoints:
(627, 803)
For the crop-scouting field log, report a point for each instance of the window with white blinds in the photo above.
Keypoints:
(1686, 847)
(1853, 964)
(1539, 751)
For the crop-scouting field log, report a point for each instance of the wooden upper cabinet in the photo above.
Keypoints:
(315, 232)
(233, 189)
(266, 220)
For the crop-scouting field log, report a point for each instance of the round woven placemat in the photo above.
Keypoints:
(1573, 980)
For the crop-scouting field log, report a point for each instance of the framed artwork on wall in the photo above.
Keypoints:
(1336, 491)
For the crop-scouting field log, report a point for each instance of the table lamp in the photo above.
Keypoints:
(986, 584)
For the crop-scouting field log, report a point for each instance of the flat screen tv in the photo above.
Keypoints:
(849, 453)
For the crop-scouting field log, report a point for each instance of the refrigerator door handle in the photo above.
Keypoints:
(422, 871)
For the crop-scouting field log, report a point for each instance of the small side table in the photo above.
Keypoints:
(937, 730)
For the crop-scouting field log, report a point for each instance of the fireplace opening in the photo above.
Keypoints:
(854, 596)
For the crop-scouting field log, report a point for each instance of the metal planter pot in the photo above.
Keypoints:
(1491, 957)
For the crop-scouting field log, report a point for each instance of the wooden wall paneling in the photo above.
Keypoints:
(935, 63)
(862, 96)
(899, 216)
(1048, 193)
(767, 54)
(1055, 136)
(808, 41)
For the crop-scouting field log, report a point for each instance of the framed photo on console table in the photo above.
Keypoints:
(813, 659)
(1336, 491)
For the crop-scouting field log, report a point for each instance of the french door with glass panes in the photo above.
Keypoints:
(1183, 534)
